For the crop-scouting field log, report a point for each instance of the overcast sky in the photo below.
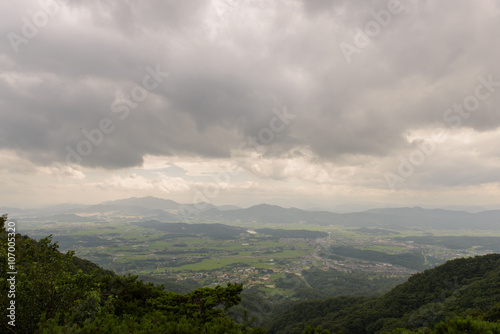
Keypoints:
(307, 103)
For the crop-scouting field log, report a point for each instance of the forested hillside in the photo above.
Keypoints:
(60, 293)
(461, 287)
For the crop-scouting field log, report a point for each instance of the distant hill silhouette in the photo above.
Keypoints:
(152, 208)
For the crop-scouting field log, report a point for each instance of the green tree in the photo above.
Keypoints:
(467, 325)
(312, 330)
(493, 313)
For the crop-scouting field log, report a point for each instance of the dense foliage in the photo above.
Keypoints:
(332, 283)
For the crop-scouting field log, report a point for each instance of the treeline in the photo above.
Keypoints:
(214, 231)
(408, 260)
(374, 231)
(223, 232)
(280, 233)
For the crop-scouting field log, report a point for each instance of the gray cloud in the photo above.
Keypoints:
(228, 70)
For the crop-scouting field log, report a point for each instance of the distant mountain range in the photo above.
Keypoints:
(164, 210)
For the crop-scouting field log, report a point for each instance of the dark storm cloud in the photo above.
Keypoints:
(229, 66)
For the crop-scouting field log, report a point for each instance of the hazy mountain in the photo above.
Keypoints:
(42, 211)
(443, 218)
(152, 203)
(265, 213)
(467, 208)
(155, 203)
(13, 212)
(60, 208)
(152, 208)
(228, 207)
(397, 218)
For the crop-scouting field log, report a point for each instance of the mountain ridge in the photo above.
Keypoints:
(148, 208)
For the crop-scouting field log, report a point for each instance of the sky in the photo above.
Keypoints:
(305, 103)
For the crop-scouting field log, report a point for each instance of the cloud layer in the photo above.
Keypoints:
(84, 84)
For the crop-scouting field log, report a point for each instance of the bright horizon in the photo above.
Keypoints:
(310, 104)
